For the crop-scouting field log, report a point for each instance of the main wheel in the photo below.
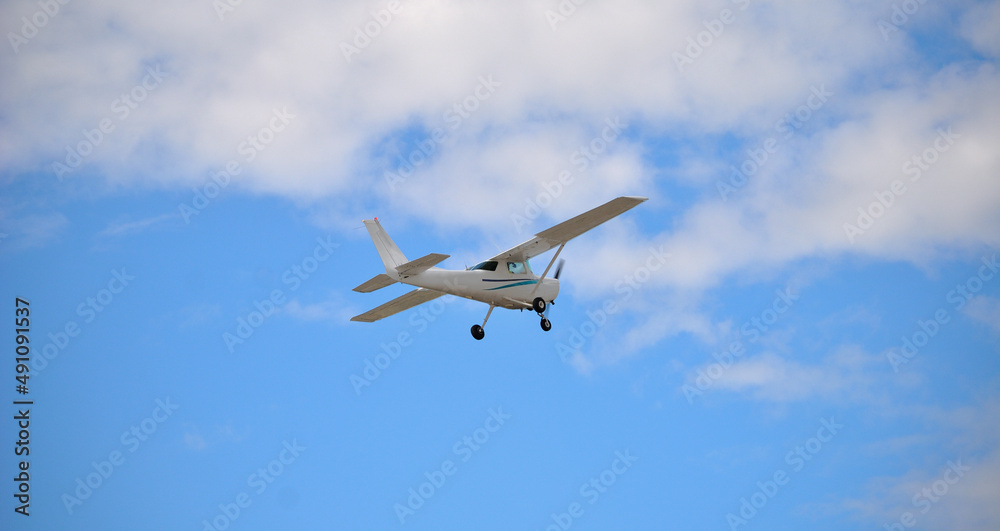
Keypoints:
(538, 305)
(546, 324)
(478, 332)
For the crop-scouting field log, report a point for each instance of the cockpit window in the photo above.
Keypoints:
(516, 268)
(486, 266)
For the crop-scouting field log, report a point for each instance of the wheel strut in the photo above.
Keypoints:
(477, 331)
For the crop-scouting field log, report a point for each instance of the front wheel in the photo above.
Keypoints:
(546, 324)
(478, 332)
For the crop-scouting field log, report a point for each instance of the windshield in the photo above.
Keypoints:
(487, 266)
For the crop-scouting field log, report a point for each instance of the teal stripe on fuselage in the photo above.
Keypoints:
(522, 283)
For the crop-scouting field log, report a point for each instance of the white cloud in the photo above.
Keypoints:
(845, 375)
(979, 26)
(355, 120)
(966, 436)
(30, 230)
(198, 314)
(334, 310)
(224, 78)
(224, 433)
(195, 441)
(126, 227)
(986, 310)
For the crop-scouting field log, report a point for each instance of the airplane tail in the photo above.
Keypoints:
(391, 256)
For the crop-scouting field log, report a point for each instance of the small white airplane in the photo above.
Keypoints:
(506, 280)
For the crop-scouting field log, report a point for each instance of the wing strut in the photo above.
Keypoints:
(539, 283)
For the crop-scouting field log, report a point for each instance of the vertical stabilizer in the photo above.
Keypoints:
(391, 256)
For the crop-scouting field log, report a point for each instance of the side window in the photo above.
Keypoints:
(516, 268)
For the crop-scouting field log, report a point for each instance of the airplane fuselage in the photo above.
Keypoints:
(498, 288)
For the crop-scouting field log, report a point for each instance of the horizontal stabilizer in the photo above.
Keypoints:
(414, 267)
(411, 299)
(377, 282)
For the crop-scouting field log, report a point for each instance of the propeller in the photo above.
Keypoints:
(558, 270)
(559, 267)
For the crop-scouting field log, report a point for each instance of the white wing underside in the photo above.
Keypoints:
(569, 229)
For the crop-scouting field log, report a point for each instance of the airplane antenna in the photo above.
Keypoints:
(499, 250)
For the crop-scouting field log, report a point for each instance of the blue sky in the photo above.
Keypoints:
(809, 342)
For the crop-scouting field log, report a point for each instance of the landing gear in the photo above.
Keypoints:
(540, 306)
(477, 330)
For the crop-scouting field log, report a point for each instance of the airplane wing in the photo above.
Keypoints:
(569, 229)
(411, 299)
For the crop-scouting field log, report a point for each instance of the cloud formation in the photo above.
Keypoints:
(766, 132)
